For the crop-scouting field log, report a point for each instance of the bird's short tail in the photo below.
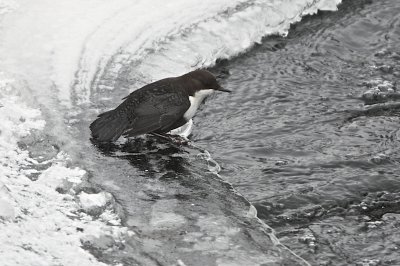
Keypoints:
(109, 126)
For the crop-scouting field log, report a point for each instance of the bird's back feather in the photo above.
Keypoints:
(156, 107)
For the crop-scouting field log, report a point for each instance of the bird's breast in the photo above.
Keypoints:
(195, 102)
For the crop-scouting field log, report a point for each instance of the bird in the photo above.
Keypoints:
(156, 108)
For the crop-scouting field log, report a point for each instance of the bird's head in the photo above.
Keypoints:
(206, 80)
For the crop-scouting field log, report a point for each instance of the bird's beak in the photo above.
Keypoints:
(222, 89)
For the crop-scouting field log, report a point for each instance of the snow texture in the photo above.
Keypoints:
(39, 225)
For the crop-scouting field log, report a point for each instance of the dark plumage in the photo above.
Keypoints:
(158, 107)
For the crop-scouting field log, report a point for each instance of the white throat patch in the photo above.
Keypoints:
(195, 102)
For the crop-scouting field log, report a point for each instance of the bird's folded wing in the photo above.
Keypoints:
(157, 113)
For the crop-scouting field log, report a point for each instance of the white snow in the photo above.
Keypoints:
(94, 203)
(39, 225)
(6, 208)
(59, 176)
(7, 6)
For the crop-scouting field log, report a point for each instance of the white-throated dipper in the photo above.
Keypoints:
(158, 107)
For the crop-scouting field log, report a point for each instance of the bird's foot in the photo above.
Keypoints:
(181, 141)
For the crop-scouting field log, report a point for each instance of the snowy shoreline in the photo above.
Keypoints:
(40, 225)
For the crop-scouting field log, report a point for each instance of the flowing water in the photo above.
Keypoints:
(309, 135)
(306, 141)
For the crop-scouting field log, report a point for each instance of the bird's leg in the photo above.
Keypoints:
(163, 136)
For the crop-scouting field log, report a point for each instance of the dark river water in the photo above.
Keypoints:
(310, 134)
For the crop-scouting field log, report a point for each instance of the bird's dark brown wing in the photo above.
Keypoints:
(157, 108)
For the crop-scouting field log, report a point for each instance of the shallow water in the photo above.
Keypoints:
(296, 138)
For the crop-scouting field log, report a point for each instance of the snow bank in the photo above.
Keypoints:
(39, 225)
